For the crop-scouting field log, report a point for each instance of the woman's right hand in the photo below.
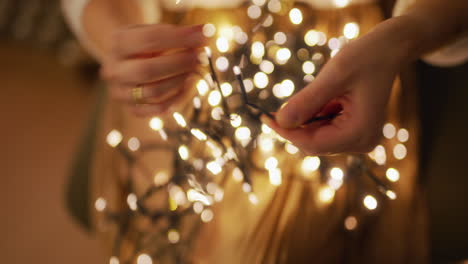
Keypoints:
(155, 62)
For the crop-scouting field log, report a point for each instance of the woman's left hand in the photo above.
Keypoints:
(357, 83)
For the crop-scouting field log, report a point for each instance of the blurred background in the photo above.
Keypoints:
(46, 89)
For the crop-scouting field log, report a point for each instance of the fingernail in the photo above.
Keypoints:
(287, 117)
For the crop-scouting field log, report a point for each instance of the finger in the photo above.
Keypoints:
(155, 92)
(133, 41)
(135, 72)
(146, 110)
(309, 101)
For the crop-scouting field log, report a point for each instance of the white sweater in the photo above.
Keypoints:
(451, 55)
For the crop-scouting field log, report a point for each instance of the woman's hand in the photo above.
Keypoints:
(356, 83)
(155, 61)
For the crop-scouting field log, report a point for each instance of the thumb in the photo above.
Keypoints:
(307, 103)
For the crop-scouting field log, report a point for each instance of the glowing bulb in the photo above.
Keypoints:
(266, 143)
(312, 38)
(391, 194)
(243, 133)
(183, 152)
(380, 155)
(202, 87)
(222, 44)
(249, 85)
(254, 11)
(214, 98)
(222, 64)
(280, 38)
(197, 102)
(114, 260)
(144, 259)
(241, 37)
(351, 30)
(133, 144)
(253, 199)
(308, 67)
(403, 135)
(275, 177)
(217, 113)
(291, 149)
(194, 196)
(214, 167)
(389, 131)
(227, 32)
(266, 129)
(283, 55)
(226, 89)
(161, 178)
(326, 194)
(336, 178)
(259, 2)
(271, 163)
(258, 50)
(392, 174)
(267, 66)
(341, 3)
(287, 88)
(236, 120)
(274, 6)
(350, 223)
(156, 123)
(310, 164)
(261, 80)
(237, 174)
(198, 207)
(173, 236)
(198, 134)
(114, 138)
(209, 30)
(100, 204)
(399, 151)
(207, 215)
(132, 201)
(246, 187)
(295, 15)
(370, 202)
(179, 119)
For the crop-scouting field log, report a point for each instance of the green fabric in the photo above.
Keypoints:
(77, 189)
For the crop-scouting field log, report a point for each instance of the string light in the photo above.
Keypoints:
(144, 259)
(156, 123)
(295, 15)
(370, 202)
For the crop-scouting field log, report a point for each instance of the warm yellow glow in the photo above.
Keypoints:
(254, 11)
(227, 32)
(195, 196)
(312, 38)
(246, 187)
(287, 88)
(380, 155)
(133, 144)
(326, 194)
(351, 30)
(177, 196)
(274, 6)
(222, 44)
(341, 3)
(214, 98)
(202, 87)
(207, 215)
(132, 201)
(226, 89)
(236, 120)
(392, 174)
(161, 178)
(217, 113)
(283, 55)
(259, 2)
(266, 129)
(370, 202)
(350, 223)
(100, 204)
(258, 50)
(280, 38)
(271, 163)
(222, 63)
(198, 134)
(179, 119)
(249, 85)
(389, 131)
(173, 236)
(308, 67)
(156, 123)
(114, 260)
(265, 143)
(336, 178)
(400, 151)
(241, 37)
(253, 199)
(275, 177)
(237, 174)
(295, 15)
(391, 194)
(267, 66)
(261, 80)
(198, 207)
(310, 164)
(184, 152)
(403, 135)
(114, 138)
(214, 167)
(144, 259)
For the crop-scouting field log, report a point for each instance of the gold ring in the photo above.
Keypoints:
(137, 94)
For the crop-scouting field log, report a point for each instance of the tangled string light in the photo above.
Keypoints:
(221, 136)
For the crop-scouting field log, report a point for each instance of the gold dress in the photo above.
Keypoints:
(299, 220)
